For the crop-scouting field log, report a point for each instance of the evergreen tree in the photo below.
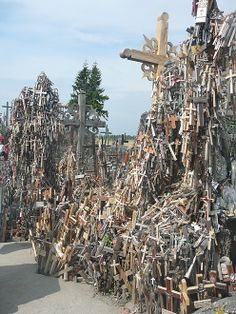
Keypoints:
(90, 82)
(81, 83)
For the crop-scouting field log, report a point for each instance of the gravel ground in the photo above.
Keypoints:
(223, 306)
(24, 291)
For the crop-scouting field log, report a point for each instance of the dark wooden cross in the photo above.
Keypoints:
(81, 122)
(7, 113)
(170, 293)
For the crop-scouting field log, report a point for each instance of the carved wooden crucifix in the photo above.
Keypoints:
(153, 55)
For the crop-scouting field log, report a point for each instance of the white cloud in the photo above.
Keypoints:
(57, 36)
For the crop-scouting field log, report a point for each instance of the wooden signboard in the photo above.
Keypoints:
(202, 11)
(164, 311)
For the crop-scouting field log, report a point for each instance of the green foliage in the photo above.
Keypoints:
(107, 240)
(90, 82)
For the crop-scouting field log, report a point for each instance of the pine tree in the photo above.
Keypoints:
(90, 82)
(81, 83)
(96, 97)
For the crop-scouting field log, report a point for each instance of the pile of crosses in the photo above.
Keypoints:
(159, 235)
(35, 133)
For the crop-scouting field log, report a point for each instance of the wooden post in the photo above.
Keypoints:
(162, 37)
(82, 111)
(94, 155)
(186, 302)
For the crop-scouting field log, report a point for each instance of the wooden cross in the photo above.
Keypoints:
(114, 265)
(231, 81)
(141, 226)
(143, 57)
(155, 58)
(81, 122)
(153, 280)
(7, 112)
(144, 251)
(185, 302)
(200, 288)
(219, 286)
(169, 293)
(82, 220)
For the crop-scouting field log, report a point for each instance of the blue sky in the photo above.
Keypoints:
(57, 36)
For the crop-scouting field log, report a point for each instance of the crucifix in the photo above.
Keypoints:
(153, 55)
(169, 293)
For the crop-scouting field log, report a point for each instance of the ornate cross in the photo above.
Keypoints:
(154, 51)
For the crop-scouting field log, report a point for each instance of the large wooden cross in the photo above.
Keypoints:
(154, 56)
(81, 123)
(201, 289)
(170, 293)
(7, 113)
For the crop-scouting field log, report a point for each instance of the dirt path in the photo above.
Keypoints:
(24, 291)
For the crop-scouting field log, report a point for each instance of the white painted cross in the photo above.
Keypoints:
(114, 266)
(230, 77)
(144, 250)
(141, 226)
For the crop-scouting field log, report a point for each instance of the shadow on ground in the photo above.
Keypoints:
(20, 284)
(12, 247)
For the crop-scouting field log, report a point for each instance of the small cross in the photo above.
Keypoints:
(126, 237)
(173, 121)
(144, 250)
(7, 112)
(141, 226)
(114, 266)
(231, 82)
(153, 280)
(200, 287)
(83, 221)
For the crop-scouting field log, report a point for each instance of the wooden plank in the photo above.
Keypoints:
(143, 57)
